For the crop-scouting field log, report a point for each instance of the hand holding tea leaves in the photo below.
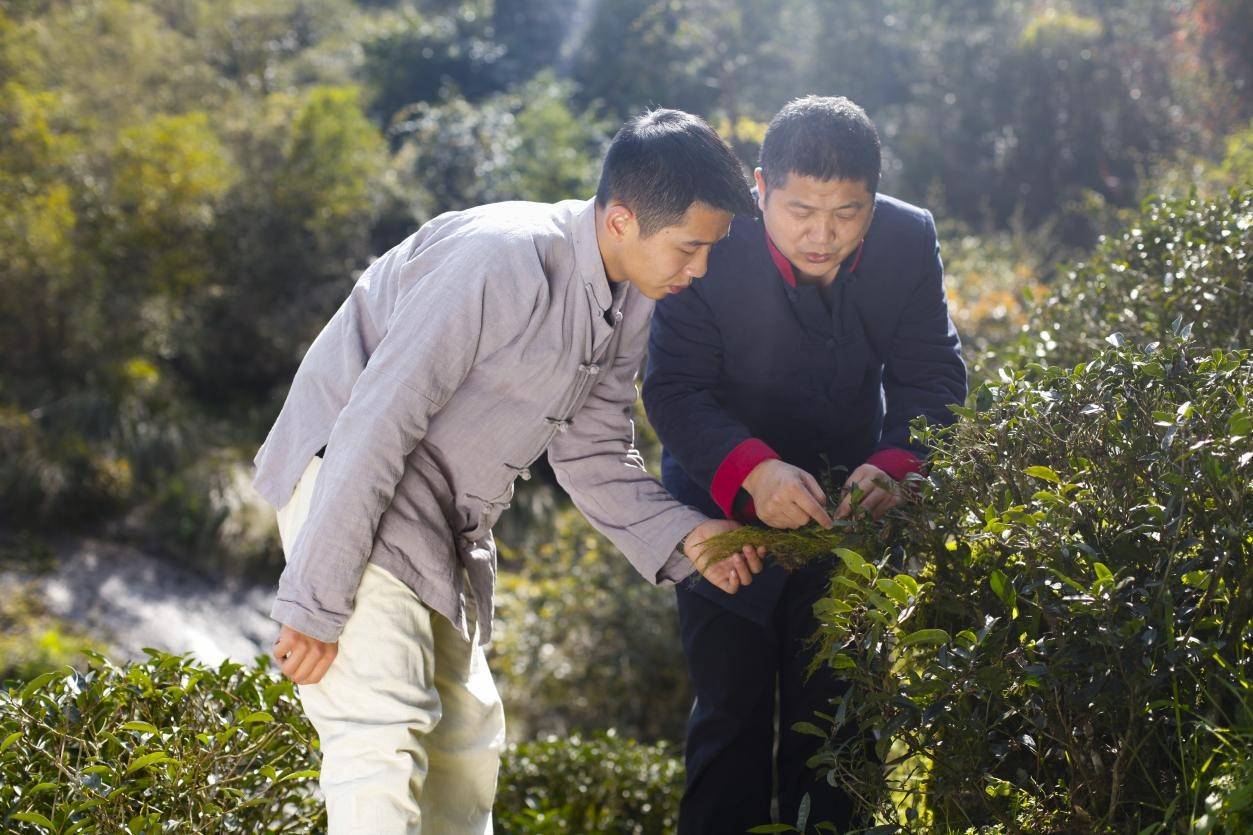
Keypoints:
(879, 492)
(796, 546)
(785, 496)
(733, 568)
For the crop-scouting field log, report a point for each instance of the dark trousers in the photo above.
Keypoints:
(734, 664)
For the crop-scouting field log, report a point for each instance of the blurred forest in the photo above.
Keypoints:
(189, 188)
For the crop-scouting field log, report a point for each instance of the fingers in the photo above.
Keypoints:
(880, 500)
(312, 658)
(302, 659)
(753, 558)
(783, 514)
(814, 488)
(282, 646)
(324, 664)
(291, 662)
(730, 574)
(740, 569)
(812, 508)
(875, 500)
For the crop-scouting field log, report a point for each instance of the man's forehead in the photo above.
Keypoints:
(805, 185)
(703, 224)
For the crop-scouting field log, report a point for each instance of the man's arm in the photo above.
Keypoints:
(596, 463)
(433, 335)
(712, 446)
(924, 374)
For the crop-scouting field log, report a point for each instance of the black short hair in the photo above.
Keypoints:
(663, 161)
(824, 137)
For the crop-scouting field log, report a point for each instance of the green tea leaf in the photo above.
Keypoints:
(810, 729)
(147, 760)
(924, 636)
(142, 727)
(1044, 473)
(35, 818)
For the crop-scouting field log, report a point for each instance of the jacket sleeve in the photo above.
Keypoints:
(432, 337)
(712, 446)
(924, 373)
(596, 462)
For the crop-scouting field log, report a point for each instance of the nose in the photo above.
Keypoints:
(822, 231)
(697, 266)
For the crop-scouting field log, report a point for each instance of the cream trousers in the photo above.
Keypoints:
(410, 723)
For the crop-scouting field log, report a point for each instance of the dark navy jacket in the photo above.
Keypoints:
(744, 366)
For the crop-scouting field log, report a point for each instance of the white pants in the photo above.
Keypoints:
(410, 723)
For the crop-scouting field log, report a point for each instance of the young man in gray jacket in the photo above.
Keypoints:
(485, 339)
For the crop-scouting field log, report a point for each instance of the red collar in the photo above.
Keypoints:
(788, 272)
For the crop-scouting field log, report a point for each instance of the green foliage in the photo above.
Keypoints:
(1078, 643)
(599, 784)
(991, 281)
(584, 643)
(523, 145)
(32, 642)
(156, 744)
(412, 55)
(167, 742)
(333, 164)
(1188, 259)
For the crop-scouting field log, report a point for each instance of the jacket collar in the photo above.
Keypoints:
(588, 265)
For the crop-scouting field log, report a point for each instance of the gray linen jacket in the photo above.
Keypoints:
(458, 358)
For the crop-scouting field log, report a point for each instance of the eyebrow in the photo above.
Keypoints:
(852, 204)
(707, 243)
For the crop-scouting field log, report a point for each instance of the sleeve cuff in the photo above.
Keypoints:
(731, 473)
(300, 619)
(677, 568)
(896, 462)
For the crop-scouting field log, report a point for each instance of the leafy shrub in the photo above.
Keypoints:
(157, 746)
(600, 784)
(167, 744)
(584, 643)
(1074, 654)
(1188, 258)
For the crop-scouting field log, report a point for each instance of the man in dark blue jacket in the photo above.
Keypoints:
(821, 332)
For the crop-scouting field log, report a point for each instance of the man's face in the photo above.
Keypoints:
(816, 224)
(671, 258)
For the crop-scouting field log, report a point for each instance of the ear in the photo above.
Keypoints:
(760, 180)
(619, 221)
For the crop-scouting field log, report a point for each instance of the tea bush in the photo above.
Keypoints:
(156, 746)
(1185, 258)
(167, 744)
(599, 784)
(1068, 647)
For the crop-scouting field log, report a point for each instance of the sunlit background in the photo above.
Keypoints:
(188, 188)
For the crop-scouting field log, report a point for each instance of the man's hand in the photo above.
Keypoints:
(728, 574)
(786, 496)
(880, 493)
(302, 659)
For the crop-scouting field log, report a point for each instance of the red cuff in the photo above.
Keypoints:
(734, 469)
(896, 462)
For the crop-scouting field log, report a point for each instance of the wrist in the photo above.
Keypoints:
(752, 481)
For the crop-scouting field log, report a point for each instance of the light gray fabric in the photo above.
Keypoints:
(459, 357)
